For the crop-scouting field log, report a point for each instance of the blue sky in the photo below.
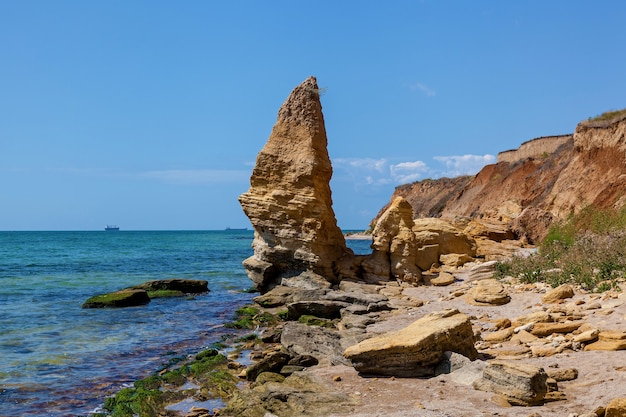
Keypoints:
(150, 114)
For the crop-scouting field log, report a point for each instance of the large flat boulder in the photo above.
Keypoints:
(415, 350)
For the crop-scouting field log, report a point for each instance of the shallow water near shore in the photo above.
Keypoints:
(61, 360)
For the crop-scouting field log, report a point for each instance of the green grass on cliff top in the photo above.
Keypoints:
(608, 116)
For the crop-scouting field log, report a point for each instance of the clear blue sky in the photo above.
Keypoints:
(150, 114)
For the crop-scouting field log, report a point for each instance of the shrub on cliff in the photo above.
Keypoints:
(589, 249)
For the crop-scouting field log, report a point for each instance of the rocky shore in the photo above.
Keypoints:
(419, 327)
(544, 352)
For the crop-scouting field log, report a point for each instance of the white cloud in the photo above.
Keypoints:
(370, 172)
(406, 172)
(423, 88)
(362, 163)
(196, 176)
(463, 164)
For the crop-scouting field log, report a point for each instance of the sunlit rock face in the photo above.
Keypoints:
(289, 201)
(395, 246)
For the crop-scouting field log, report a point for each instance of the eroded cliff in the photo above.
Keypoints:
(529, 192)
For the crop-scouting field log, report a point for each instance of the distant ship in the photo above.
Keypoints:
(231, 229)
(111, 228)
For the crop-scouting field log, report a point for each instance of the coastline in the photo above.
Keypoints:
(447, 394)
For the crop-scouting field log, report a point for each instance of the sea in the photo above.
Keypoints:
(58, 359)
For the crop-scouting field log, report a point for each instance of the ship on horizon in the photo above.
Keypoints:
(111, 228)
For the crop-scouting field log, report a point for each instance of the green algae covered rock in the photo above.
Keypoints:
(142, 294)
(124, 298)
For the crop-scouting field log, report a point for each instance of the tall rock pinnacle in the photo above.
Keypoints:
(289, 201)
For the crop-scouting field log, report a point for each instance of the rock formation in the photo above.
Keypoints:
(395, 245)
(289, 201)
(543, 181)
(416, 349)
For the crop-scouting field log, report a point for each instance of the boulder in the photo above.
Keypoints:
(271, 363)
(546, 329)
(443, 279)
(587, 336)
(483, 270)
(416, 349)
(562, 374)
(455, 259)
(616, 408)
(128, 297)
(394, 237)
(520, 384)
(289, 202)
(186, 286)
(299, 394)
(488, 292)
(321, 343)
(559, 293)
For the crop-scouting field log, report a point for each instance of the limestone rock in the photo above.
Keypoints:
(587, 336)
(521, 384)
(455, 259)
(484, 270)
(498, 335)
(488, 292)
(432, 231)
(616, 408)
(546, 329)
(393, 236)
(562, 374)
(297, 395)
(609, 340)
(559, 293)
(323, 344)
(323, 308)
(444, 279)
(534, 317)
(271, 363)
(416, 349)
(289, 201)
(376, 267)
(427, 257)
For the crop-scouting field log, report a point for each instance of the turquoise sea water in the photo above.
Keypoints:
(57, 359)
